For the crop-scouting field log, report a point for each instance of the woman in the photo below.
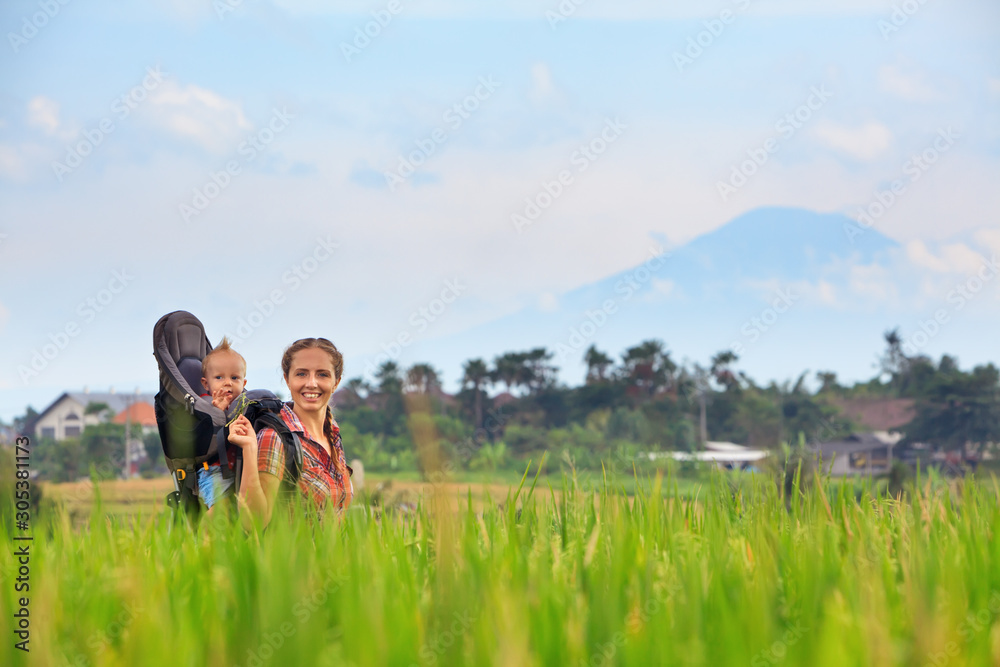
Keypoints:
(312, 368)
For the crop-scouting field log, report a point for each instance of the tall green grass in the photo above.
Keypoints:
(743, 576)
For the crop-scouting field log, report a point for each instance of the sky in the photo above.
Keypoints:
(362, 170)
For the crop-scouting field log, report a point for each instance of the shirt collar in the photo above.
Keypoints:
(295, 424)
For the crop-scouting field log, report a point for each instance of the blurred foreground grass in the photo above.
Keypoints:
(742, 575)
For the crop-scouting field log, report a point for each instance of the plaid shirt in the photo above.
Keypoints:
(322, 477)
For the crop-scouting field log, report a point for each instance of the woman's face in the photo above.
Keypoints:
(311, 379)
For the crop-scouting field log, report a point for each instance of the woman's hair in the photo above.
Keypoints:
(306, 343)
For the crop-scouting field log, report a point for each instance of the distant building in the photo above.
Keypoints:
(66, 418)
(878, 414)
(141, 414)
(859, 454)
(725, 455)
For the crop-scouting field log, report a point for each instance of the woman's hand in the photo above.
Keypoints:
(241, 433)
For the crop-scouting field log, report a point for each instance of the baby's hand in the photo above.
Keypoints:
(241, 433)
(220, 400)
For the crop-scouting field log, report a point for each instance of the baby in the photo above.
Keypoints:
(224, 378)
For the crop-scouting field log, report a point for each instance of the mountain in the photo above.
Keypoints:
(789, 290)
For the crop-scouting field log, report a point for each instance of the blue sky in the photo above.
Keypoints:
(329, 128)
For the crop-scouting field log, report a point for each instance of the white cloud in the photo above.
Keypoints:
(542, 88)
(826, 293)
(994, 86)
(863, 143)
(548, 302)
(989, 238)
(910, 87)
(4, 313)
(200, 115)
(11, 163)
(873, 281)
(44, 113)
(664, 287)
(954, 258)
(628, 10)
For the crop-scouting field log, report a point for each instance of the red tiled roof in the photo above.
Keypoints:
(141, 413)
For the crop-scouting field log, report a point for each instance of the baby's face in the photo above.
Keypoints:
(225, 371)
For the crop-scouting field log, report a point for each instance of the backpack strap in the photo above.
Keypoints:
(292, 445)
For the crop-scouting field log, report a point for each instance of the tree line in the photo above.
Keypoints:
(513, 407)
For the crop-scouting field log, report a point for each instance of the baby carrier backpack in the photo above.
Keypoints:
(193, 432)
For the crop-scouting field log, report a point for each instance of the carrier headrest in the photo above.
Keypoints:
(180, 344)
(188, 340)
(190, 368)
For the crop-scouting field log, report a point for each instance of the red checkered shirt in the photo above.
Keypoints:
(323, 478)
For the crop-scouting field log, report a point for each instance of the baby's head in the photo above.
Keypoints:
(224, 368)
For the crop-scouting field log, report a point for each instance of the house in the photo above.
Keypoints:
(66, 416)
(858, 454)
(140, 414)
(725, 455)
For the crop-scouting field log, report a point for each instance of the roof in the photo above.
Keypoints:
(117, 402)
(719, 457)
(878, 414)
(724, 447)
(857, 442)
(504, 398)
(140, 413)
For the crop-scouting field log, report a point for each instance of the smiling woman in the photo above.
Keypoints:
(312, 368)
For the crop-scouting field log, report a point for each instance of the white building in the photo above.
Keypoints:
(66, 416)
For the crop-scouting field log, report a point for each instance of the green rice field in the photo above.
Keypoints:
(545, 574)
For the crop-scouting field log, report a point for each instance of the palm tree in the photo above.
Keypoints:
(422, 379)
(722, 371)
(597, 364)
(508, 369)
(828, 381)
(476, 374)
(388, 378)
(538, 373)
(359, 386)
